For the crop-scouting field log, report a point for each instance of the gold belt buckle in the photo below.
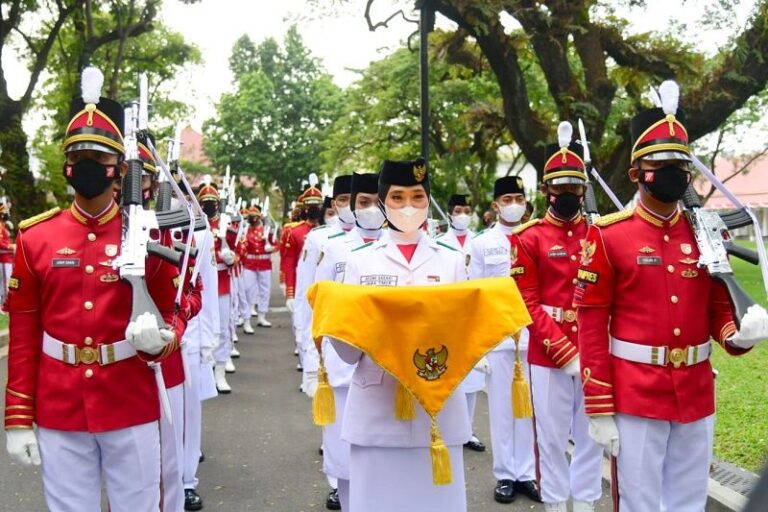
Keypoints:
(570, 315)
(87, 355)
(678, 356)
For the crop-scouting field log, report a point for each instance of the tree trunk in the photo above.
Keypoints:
(18, 182)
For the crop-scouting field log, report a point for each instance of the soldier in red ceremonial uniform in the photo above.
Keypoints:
(646, 314)
(547, 253)
(77, 367)
(7, 248)
(257, 268)
(225, 258)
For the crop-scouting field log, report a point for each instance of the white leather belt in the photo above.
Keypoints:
(661, 356)
(258, 256)
(104, 354)
(221, 266)
(560, 315)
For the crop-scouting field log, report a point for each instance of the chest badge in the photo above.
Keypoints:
(557, 251)
(109, 278)
(110, 250)
(688, 261)
(512, 255)
(686, 249)
(66, 251)
(647, 250)
(689, 274)
(587, 252)
(431, 366)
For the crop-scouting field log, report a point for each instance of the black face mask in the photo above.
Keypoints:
(566, 205)
(667, 184)
(210, 208)
(254, 222)
(90, 178)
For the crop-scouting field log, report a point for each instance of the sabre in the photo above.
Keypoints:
(588, 163)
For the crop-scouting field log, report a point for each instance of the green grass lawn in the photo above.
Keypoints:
(3, 322)
(741, 432)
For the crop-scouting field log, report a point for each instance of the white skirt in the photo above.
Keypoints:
(400, 479)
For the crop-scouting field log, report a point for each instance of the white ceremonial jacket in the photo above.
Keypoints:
(203, 330)
(369, 418)
(489, 256)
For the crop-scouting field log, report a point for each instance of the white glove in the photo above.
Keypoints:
(602, 429)
(145, 335)
(754, 328)
(206, 356)
(483, 366)
(228, 256)
(310, 384)
(573, 369)
(22, 446)
(290, 304)
(269, 247)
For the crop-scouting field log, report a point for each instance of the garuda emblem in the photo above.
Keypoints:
(513, 255)
(432, 364)
(587, 252)
(419, 172)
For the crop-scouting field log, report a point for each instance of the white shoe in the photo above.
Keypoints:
(239, 322)
(296, 351)
(235, 339)
(262, 321)
(253, 310)
(299, 368)
(221, 379)
(556, 507)
(235, 353)
(229, 366)
(247, 327)
(583, 506)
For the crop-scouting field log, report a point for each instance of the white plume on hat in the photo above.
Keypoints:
(313, 180)
(564, 134)
(91, 82)
(653, 95)
(669, 92)
(207, 179)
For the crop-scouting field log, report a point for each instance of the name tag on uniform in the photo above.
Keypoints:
(516, 271)
(649, 260)
(65, 262)
(378, 280)
(340, 267)
(495, 251)
(433, 279)
(557, 251)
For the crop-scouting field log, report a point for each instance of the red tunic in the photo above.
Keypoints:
(223, 268)
(6, 245)
(294, 244)
(547, 252)
(64, 284)
(255, 255)
(639, 283)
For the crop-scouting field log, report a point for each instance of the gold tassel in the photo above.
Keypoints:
(323, 404)
(441, 458)
(521, 392)
(405, 408)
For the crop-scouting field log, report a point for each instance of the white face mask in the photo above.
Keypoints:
(407, 219)
(331, 221)
(460, 222)
(512, 212)
(369, 218)
(345, 214)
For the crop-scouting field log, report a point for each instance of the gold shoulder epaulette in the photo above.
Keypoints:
(613, 218)
(522, 227)
(37, 219)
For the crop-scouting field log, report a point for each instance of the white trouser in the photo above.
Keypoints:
(344, 493)
(193, 418)
(224, 349)
(663, 465)
(558, 404)
(511, 439)
(471, 405)
(73, 464)
(243, 304)
(336, 450)
(235, 286)
(258, 286)
(171, 441)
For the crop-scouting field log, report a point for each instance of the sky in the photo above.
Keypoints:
(338, 35)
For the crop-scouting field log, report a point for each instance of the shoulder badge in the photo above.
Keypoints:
(37, 219)
(519, 229)
(613, 218)
(337, 235)
(362, 246)
(446, 245)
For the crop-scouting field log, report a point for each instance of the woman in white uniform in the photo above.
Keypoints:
(390, 463)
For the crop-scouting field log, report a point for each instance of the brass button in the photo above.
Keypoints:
(573, 257)
(88, 373)
(570, 233)
(574, 328)
(88, 340)
(676, 332)
(575, 280)
(674, 299)
(91, 237)
(670, 268)
(89, 269)
(666, 238)
(88, 305)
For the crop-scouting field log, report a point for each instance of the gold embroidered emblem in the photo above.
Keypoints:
(419, 172)
(689, 274)
(688, 261)
(647, 250)
(176, 281)
(110, 250)
(109, 278)
(65, 251)
(13, 283)
(431, 366)
(686, 249)
(107, 263)
(512, 256)
(587, 252)
(555, 247)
